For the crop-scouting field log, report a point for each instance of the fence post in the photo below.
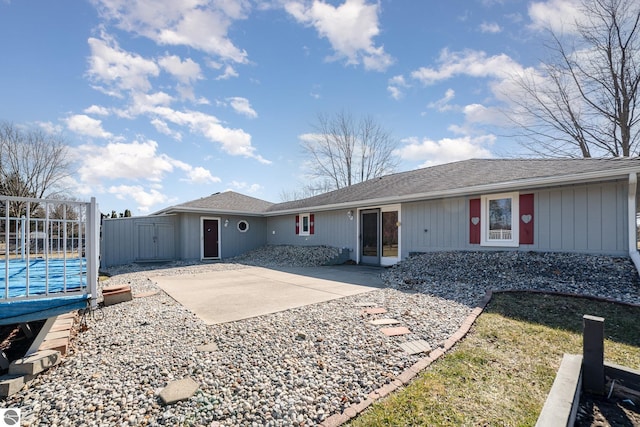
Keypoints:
(593, 354)
(23, 230)
(92, 240)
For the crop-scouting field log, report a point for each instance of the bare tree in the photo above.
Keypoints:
(302, 191)
(344, 151)
(32, 163)
(585, 102)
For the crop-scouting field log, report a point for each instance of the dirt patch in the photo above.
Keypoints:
(597, 411)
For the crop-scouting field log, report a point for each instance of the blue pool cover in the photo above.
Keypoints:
(60, 272)
(57, 274)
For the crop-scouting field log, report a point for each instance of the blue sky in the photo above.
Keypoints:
(165, 101)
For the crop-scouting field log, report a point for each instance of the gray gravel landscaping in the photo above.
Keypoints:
(295, 367)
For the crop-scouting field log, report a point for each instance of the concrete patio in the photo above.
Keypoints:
(230, 295)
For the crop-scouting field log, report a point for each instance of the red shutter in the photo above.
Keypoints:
(474, 221)
(297, 224)
(526, 219)
(311, 227)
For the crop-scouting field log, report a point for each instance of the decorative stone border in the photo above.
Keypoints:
(410, 373)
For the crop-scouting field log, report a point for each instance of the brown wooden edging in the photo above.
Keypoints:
(410, 373)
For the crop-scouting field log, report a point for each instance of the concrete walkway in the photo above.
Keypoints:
(229, 295)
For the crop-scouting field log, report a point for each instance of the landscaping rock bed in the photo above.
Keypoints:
(288, 256)
(466, 276)
(293, 368)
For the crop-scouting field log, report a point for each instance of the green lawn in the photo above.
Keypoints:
(501, 372)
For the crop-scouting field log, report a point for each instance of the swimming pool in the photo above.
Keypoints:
(39, 288)
(41, 277)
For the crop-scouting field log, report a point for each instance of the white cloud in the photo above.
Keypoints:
(85, 125)
(228, 73)
(557, 15)
(235, 142)
(196, 24)
(119, 160)
(469, 62)
(490, 27)
(350, 29)
(142, 103)
(442, 104)
(478, 113)
(246, 187)
(143, 198)
(115, 70)
(186, 71)
(395, 86)
(49, 127)
(162, 127)
(445, 150)
(242, 106)
(97, 110)
(200, 175)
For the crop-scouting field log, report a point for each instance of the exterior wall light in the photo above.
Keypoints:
(350, 215)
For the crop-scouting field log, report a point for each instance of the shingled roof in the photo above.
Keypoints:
(466, 176)
(228, 201)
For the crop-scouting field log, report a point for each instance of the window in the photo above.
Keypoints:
(304, 224)
(390, 224)
(243, 226)
(499, 220)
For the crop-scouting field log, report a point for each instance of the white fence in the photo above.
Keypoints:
(63, 236)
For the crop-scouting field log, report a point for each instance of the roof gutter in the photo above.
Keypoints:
(631, 206)
(579, 178)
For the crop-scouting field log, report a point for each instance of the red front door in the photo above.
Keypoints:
(211, 244)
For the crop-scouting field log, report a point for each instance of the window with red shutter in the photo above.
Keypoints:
(304, 224)
(499, 220)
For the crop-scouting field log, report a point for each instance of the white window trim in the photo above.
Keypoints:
(514, 242)
(387, 261)
(301, 231)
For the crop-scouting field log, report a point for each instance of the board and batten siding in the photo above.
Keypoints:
(137, 239)
(232, 241)
(588, 218)
(331, 228)
(435, 225)
(235, 242)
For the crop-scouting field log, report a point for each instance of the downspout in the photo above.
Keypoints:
(632, 226)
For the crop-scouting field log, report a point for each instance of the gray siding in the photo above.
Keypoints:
(137, 239)
(233, 242)
(173, 237)
(435, 225)
(588, 218)
(189, 236)
(332, 228)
